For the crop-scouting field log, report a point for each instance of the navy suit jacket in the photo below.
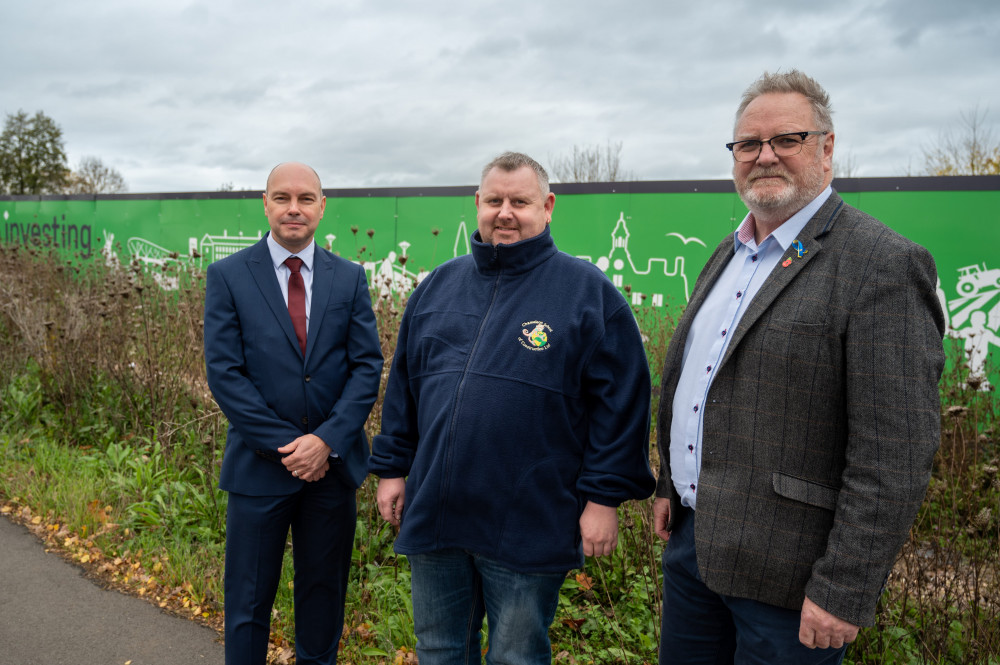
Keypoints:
(270, 393)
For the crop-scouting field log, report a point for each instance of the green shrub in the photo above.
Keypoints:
(109, 434)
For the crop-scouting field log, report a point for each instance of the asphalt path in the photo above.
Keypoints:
(51, 614)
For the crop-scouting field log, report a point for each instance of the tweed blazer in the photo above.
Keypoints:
(822, 422)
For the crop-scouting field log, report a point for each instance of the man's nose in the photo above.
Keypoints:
(506, 209)
(767, 155)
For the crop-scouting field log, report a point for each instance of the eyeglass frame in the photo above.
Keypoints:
(802, 137)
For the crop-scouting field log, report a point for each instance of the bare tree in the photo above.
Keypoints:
(969, 149)
(845, 167)
(93, 177)
(596, 164)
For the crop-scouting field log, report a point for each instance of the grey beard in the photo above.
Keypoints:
(788, 202)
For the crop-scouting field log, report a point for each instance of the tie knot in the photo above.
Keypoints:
(294, 263)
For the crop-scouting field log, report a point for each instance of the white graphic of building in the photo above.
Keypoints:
(213, 248)
(620, 258)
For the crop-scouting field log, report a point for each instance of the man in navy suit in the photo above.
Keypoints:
(294, 362)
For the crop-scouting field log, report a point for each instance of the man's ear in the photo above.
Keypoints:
(828, 151)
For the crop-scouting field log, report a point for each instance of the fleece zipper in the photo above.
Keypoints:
(445, 477)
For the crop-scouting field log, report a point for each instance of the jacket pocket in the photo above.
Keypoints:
(805, 491)
(810, 328)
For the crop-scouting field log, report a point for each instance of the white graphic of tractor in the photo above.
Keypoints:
(972, 279)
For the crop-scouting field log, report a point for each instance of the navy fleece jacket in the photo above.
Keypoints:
(519, 391)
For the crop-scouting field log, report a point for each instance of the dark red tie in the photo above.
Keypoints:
(297, 300)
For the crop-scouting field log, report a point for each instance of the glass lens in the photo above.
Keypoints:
(746, 150)
(786, 145)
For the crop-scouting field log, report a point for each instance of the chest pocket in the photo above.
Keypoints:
(445, 339)
(336, 322)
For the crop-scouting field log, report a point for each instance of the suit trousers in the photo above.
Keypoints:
(701, 627)
(322, 516)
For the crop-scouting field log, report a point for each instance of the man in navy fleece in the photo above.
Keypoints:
(516, 420)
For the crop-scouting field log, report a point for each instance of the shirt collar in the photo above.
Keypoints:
(279, 253)
(785, 234)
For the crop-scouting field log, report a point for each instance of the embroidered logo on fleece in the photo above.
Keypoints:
(535, 335)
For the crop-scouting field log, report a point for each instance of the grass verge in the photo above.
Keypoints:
(110, 448)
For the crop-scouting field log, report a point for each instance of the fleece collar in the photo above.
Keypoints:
(512, 259)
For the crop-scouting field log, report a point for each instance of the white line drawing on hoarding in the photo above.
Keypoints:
(213, 248)
(620, 256)
(975, 317)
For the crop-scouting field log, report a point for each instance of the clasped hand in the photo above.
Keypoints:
(307, 457)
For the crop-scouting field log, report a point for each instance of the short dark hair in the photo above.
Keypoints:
(512, 161)
(791, 81)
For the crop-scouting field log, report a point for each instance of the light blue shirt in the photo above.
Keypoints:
(709, 337)
(278, 256)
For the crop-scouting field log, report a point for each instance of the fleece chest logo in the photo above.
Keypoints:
(535, 335)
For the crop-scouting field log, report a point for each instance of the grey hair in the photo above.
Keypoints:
(512, 161)
(791, 81)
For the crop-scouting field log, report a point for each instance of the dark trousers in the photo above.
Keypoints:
(701, 627)
(322, 516)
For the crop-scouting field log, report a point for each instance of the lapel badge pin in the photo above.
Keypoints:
(787, 262)
(797, 246)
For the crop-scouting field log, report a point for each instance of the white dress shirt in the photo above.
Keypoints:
(709, 336)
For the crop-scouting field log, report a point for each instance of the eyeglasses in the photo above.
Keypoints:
(782, 145)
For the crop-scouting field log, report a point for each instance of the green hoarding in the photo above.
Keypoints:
(650, 238)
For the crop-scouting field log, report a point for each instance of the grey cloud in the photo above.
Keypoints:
(186, 96)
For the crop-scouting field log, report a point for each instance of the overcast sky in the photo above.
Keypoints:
(190, 94)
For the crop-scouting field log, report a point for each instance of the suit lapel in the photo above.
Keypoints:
(706, 280)
(324, 270)
(262, 270)
(783, 274)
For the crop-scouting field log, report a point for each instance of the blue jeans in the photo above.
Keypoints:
(701, 627)
(454, 589)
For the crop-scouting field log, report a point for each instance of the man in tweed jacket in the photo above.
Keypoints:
(799, 414)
